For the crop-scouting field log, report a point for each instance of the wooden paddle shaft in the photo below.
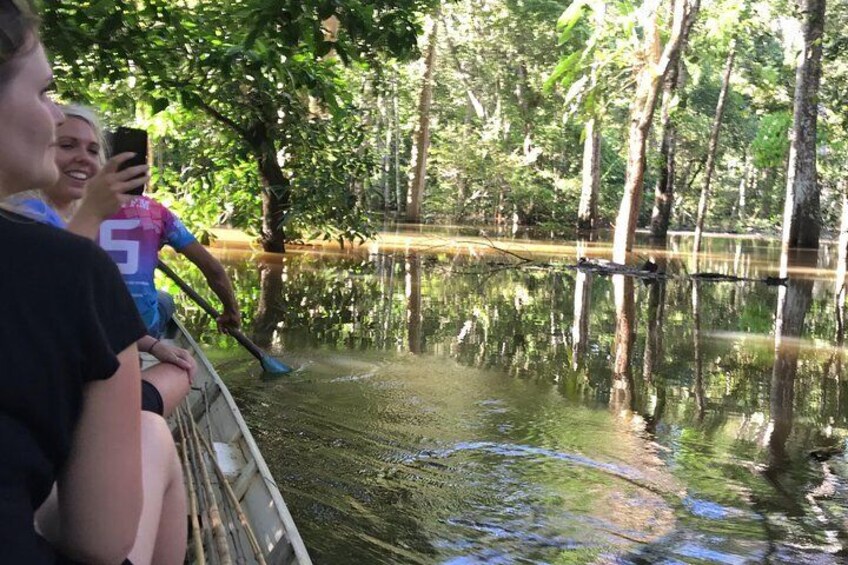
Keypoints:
(209, 309)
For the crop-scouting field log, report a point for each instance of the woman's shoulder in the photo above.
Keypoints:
(33, 243)
(31, 205)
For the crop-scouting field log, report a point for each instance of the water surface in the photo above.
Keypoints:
(455, 404)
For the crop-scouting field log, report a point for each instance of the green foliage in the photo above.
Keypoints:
(327, 179)
(258, 69)
(771, 146)
(222, 86)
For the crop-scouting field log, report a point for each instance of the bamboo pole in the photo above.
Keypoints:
(220, 533)
(199, 555)
(203, 504)
(251, 536)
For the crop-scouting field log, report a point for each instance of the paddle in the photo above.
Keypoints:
(269, 364)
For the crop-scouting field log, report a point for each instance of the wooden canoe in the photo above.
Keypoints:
(209, 421)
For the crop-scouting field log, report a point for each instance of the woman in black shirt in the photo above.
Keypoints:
(69, 373)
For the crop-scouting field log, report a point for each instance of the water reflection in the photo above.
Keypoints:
(458, 409)
(698, 385)
(413, 303)
(621, 393)
(793, 303)
(582, 307)
(268, 306)
(655, 321)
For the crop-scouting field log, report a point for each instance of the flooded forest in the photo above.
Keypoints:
(563, 282)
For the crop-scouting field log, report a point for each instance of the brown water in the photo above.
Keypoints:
(460, 406)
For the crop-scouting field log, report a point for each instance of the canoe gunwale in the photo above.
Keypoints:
(290, 534)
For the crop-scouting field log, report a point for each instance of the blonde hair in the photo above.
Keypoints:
(88, 116)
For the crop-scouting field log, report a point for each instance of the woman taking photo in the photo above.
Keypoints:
(69, 391)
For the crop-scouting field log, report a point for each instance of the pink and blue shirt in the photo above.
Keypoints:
(133, 238)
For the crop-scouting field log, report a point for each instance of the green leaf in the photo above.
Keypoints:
(563, 70)
(569, 18)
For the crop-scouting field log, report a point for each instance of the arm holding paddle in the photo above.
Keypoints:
(219, 282)
(269, 364)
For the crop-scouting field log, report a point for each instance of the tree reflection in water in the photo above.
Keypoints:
(413, 303)
(622, 399)
(698, 386)
(268, 307)
(730, 411)
(793, 303)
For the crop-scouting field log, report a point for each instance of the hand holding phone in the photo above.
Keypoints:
(129, 140)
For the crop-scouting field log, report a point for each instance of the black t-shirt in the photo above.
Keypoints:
(65, 316)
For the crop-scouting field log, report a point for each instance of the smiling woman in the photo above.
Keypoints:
(80, 154)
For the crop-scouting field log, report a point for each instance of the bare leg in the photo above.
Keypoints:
(162, 530)
(171, 382)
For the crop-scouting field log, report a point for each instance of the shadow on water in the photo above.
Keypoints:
(453, 408)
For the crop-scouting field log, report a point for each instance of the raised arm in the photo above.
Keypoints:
(105, 194)
(218, 281)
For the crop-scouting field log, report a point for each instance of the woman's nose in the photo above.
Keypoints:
(81, 155)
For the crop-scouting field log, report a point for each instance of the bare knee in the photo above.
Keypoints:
(156, 439)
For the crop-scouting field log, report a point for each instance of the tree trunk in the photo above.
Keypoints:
(475, 106)
(841, 267)
(587, 213)
(712, 148)
(422, 134)
(801, 216)
(385, 151)
(276, 190)
(641, 114)
(743, 187)
(664, 190)
(400, 197)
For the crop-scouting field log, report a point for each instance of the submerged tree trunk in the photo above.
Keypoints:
(698, 385)
(268, 314)
(712, 149)
(641, 115)
(801, 215)
(587, 214)
(421, 144)
(580, 324)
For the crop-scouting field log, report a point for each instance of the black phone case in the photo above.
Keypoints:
(124, 140)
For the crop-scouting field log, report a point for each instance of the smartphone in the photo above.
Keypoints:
(131, 140)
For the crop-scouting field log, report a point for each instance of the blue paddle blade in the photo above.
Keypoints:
(274, 366)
